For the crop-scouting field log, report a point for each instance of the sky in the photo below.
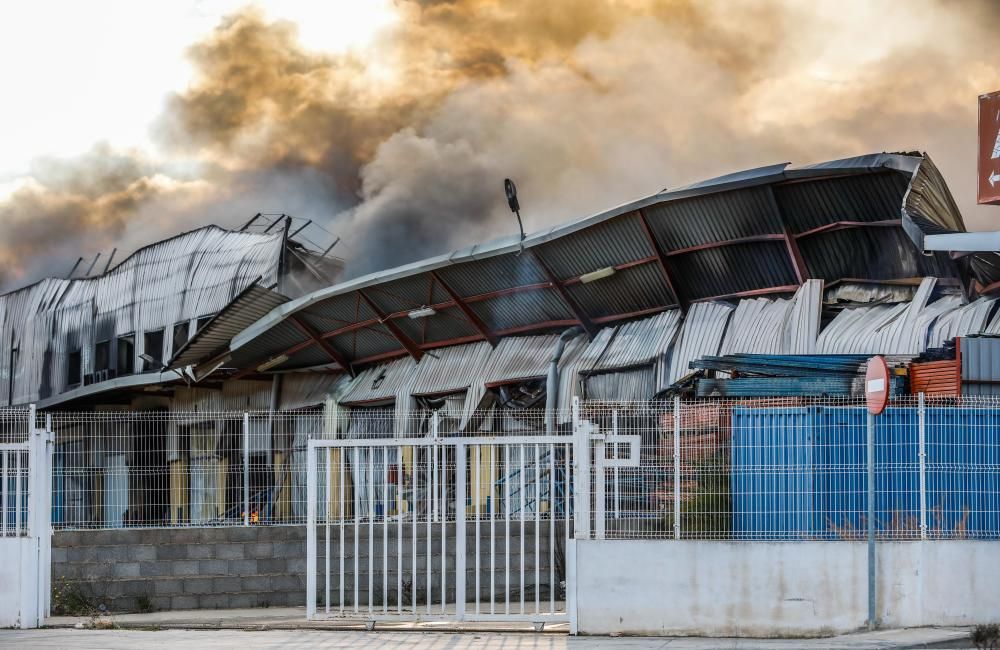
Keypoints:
(392, 123)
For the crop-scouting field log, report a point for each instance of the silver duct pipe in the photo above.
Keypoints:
(552, 382)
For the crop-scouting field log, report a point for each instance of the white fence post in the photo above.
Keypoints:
(677, 467)
(311, 495)
(246, 469)
(922, 454)
(581, 475)
(50, 450)
(600, 488)
(460, 474)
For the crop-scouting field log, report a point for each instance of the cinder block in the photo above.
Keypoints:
(142, 552)
(184, 535)
(259, 550)
(126, 570)
(214, 601)
(185, 568)
(230, 551)
(200, 551)
(153, 569)
(168, 587)
(198, 585)
(243, 600)
(183, 602)
(271, 566)
(298, 566)
(243, 567)
(213, 567)
(255, 583)
(289, 549)
(171, 552)
(226, 585)
(242, 534)
(59, 555)
(287, 583)
(160, 603)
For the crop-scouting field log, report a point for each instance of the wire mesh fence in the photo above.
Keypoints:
(797, 468)
(754, 469)
(14, 472)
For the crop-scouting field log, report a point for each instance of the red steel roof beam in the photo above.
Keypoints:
(330, 351)
(412, 348)
(470, 315)
(574, 308)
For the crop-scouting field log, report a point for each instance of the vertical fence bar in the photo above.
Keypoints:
(600, 488)
(5, 475)
(479, 499)
(431, 505)
(677, 467)
(493, 519)
(385, 530)
(341, 465)
(871, 521)
(400, 465)
(371, 528)
(538, 526)
(460, 559)
(414, 487)
(523, 505)
(617, 489)
(552, 528)
(581, 476)
(246, 469)
(444, 528)
(326, 517)
(311, 496)
(506, 537)
(922, 454)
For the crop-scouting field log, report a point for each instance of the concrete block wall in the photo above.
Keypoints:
(185, 568)
(261, 566)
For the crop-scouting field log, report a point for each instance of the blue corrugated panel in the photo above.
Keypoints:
(801, 473)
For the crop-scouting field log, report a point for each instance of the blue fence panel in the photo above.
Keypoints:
(801, 473)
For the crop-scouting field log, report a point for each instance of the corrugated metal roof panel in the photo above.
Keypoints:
(701, 335)
(213, 338)
(189, 276)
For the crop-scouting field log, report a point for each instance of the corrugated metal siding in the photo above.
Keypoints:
(764, 326)
(880, 329)
(940, 378)
(701, 335)
(179, 279)
(638, 384)
(980, 365)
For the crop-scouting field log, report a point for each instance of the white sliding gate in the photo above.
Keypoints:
(25, 529)
(450, 529)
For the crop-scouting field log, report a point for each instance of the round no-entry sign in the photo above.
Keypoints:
(877, 385)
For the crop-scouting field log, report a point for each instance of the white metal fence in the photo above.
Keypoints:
(467, 528)
(15, 486)
(796, 469)
(783, 468)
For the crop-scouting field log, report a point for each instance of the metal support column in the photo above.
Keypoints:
(246, 469)
(677, 467)
(922, 453)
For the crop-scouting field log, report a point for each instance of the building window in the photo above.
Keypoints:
(102, 356)
(152, 345)
(203, 320)
(180, 335)
(126, 354)
(74, 368)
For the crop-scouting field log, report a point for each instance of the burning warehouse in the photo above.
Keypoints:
(825, 259)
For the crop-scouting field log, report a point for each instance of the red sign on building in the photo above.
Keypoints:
(989, 148)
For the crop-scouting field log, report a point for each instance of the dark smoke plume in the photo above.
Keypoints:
(586, 104)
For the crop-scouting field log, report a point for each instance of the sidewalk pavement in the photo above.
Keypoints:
(278, 627)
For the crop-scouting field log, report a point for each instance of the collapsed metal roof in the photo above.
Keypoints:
(758, 232)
